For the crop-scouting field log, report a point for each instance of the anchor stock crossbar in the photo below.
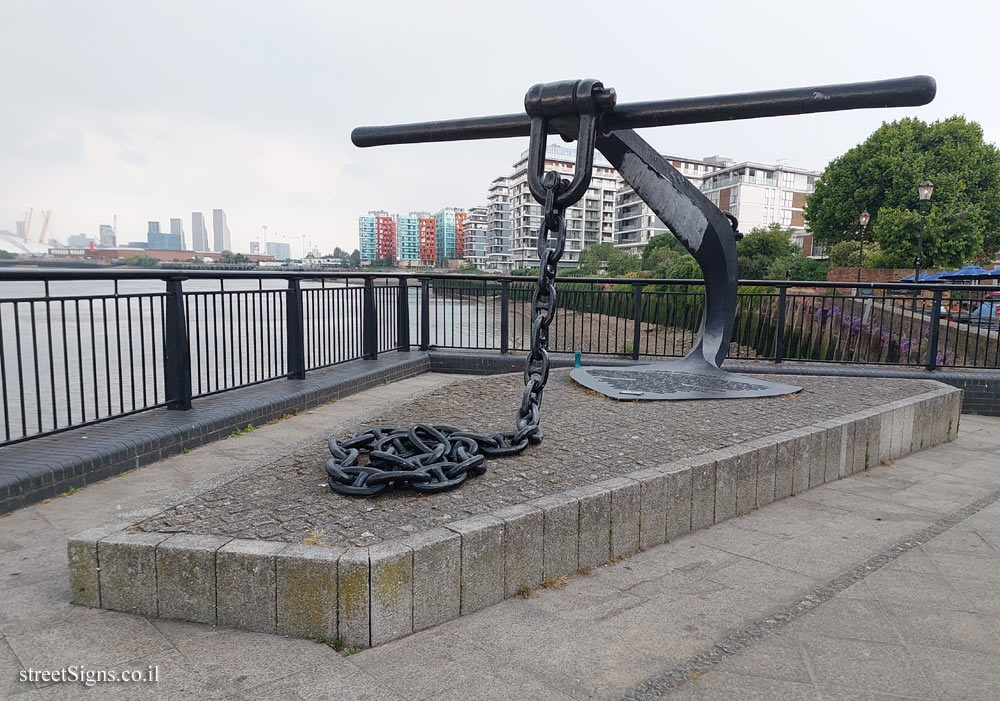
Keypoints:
(436, 458)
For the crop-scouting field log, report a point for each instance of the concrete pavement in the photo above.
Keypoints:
(885, 585)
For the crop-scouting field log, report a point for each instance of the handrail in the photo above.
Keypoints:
(52, 274)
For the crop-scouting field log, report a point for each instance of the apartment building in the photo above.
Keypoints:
(760, 195)
(635, 222)
(590, 221)
(499, 233)
(377, 236)
(449, 234)
(476, 234)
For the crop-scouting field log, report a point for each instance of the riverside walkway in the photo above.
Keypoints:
(884, 585)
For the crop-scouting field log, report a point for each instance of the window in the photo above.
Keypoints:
(786, 198)
(788, 179)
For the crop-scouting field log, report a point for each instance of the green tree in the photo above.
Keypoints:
(7, 255)
(881, 175)
(846, 254)
(761, 249)
(798, 268)
(660, 253)
(143, 261)
(605, 257)
(230, 258)
(356, 258)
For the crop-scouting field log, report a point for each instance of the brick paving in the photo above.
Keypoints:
(588, 438)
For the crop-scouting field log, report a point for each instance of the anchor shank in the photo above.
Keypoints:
(697, 223)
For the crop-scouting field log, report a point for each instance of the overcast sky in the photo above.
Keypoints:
(150, 110)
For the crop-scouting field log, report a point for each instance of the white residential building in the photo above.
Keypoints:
(499, 236)
(635, 222)
(590, 221)
(477, 225)
(761, 195)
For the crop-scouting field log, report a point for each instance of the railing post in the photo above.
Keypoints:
(295, 330)
(369, 322)
(636, 319)
(425, 314)
(177, 352)
(403, 316)
(779, 338)
(935, 332)
(504, 316)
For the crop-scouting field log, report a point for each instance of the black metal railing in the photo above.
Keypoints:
(83, 346)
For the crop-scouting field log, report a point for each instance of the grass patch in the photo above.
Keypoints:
(315, 538)
(585, 571)
(242, 431)
(555, 582)
(336, 642)
(523, 592)
(352, 650)
(885, 462)
(71, 490)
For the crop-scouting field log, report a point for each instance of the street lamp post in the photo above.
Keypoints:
(924, 192)
(863, 220)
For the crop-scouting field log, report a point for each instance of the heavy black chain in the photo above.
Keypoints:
(436, 458)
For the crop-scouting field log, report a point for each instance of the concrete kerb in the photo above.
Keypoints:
(369, 595)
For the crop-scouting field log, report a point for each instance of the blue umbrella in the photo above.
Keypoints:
(969, 271)
(924, 277)
(995, 272)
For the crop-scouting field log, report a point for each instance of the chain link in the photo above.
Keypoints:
(431, 459)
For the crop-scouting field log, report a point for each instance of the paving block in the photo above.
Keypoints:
(128, 571)
(784, 464)
(185, 576)
(746, 480)
(920, 421)
(306, 598)
(246, 584)
(625, 497)
(561, 534)
(726, 475)
(482, 561)
(833, 452)
(703, 474)
(437, 576)
(84, 568)
(954, 399)
(391, 591)
(766, 459)
(885, 437)
(595, 525)
(652, 507)
(873, 440)
(909, 414)
(353, 576)
(677, 492)
(523, 535)
(810, 460)
(896, 436)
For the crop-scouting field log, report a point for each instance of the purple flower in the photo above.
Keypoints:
(855, 323)
(904, 346)
(818, 314)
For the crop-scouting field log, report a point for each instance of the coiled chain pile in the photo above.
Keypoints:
(429, 458)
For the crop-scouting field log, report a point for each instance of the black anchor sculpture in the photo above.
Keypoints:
(434, 458)
(707, 232)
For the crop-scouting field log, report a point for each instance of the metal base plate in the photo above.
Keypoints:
(683, 379)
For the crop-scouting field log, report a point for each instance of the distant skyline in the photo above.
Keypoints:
(252, 106)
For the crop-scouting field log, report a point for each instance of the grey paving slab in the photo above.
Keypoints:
(246, 584)
(523, 550)
(653, 507)
(625, 517)
(561, 535)
(353, 597)
(391, 591)
(186, 576)
(306, 591)
(437, 576)
(679, 499)
(726, 477)
(128, 571)
(595, 525)
(482, 561)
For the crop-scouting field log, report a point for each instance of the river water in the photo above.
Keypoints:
(90, 350)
